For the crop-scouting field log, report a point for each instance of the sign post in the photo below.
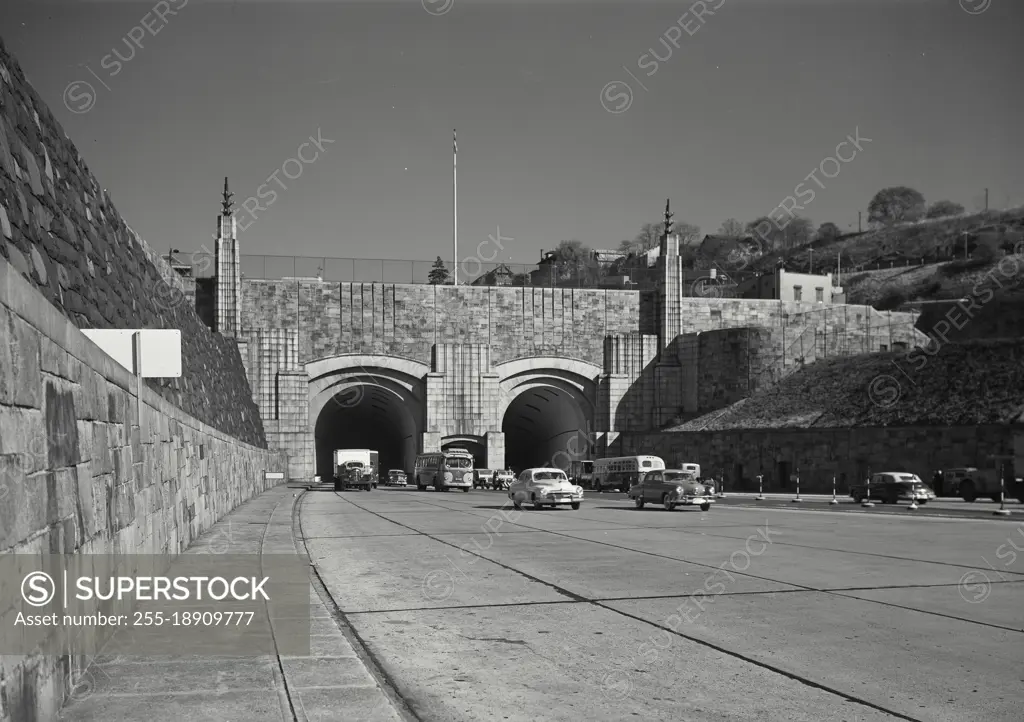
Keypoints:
(796, 477)
(760, 488)
(834, 499)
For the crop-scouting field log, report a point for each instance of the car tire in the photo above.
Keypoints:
(967, 491)
(537, 506)
(639, 501)
(516, 504)
(705, 507)
(465, 489)
(669, 506)
(576, 506)
(922, 502)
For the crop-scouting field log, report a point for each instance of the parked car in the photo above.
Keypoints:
(483, 478)
(671, 488)
(397, 477)
(544, 487)
(891, 487)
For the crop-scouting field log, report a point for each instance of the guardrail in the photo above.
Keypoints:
(696, 283)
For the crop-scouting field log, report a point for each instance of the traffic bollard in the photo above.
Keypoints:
(834, 499)
(867, 503)
(1002, 510)
(760, 488)
(721, 487)
(797, 499)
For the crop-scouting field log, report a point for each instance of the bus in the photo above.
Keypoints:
(444, 470)
(581, 472)
(621, 472)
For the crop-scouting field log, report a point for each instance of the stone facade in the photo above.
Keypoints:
(818, 455)
(59, 229)
(79, 474)
(451, 360)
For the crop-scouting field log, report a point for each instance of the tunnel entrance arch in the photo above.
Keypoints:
(475, 445)
(547, 412)
(367, 402)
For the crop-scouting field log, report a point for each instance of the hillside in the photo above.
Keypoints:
(928, 240)
(978, 382)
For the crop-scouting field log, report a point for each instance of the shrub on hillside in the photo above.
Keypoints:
(979, 260)
(892, 300)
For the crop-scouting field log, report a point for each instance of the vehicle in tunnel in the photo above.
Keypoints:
(483, 478)
(545, 487)
(504, 478)
(581, 471)
(355, 468)
(444, 470)
(397, 477)
(671, 488)
(620, 472)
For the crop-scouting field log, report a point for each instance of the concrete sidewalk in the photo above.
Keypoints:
(333, 683)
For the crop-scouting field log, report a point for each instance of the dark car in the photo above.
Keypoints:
(671, 488)
(891, 487)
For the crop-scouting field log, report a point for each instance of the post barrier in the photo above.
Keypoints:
(760, 488)
(867, 503)
(1002, 510)
(797, 499)
(834, 499)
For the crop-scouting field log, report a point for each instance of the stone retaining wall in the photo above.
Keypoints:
(78, 476)
(59, 229)
(820, 454)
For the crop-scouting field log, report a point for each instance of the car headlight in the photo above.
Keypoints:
(448, 476)
(680, 490)
(578, 489)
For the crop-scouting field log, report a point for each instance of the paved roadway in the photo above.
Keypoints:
(476, 612)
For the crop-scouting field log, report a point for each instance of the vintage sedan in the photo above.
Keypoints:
(397, 477)
(892, 487)
(671, 488)
(545, 487)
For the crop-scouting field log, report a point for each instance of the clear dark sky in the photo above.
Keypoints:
(741, 112)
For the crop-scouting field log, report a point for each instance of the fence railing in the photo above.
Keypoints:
(470, 272)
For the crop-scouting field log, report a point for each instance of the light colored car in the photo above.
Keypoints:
(397, 477)
(671, 488)
(544, 487)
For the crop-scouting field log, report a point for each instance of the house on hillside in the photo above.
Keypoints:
(500, 276)
(783, 285)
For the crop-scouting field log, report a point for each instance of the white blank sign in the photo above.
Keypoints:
(160, 349)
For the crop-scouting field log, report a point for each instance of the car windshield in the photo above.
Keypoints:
(680, 476)
(456, 462)
(549, 476)
(908, 478)
(354, 465)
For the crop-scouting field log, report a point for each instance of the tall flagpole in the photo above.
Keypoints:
(455, 209)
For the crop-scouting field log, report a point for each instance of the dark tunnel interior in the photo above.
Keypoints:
(540, 427)
(366, 417)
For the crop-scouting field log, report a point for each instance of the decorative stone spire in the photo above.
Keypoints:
(227, 203)
(227, 270)
(668, 230)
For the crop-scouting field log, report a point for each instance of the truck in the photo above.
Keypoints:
(971, 483)
(355, 468)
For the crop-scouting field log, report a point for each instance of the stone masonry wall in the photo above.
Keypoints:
(60, 230)
(819, 454)
(79, 476)
(407, 320)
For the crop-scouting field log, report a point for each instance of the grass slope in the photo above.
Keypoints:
(977, 382)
